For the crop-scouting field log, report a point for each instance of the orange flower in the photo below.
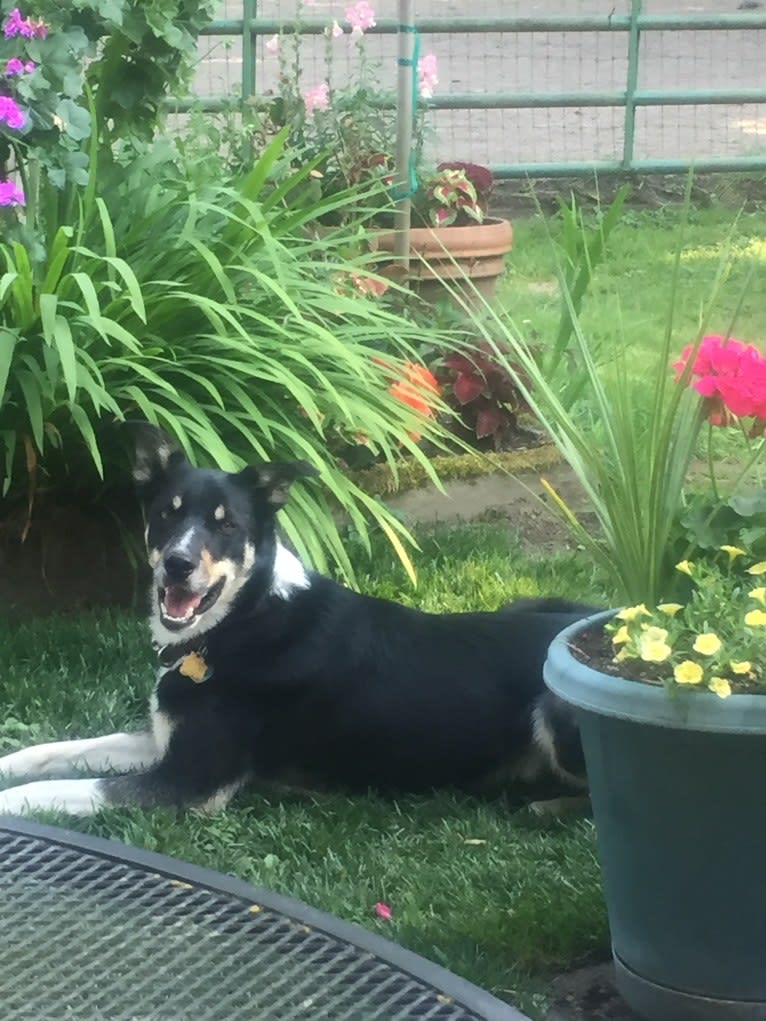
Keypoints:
(369, 285)
(417, 390)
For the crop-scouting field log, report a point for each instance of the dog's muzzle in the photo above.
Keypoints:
(182, 600)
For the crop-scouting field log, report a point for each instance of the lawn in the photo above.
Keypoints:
(484, 888)
(507, 912)
(630, 297)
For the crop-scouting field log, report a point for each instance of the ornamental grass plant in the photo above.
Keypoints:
(696, 619)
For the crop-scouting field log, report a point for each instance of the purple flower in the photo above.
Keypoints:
(10, 195)
(16, 25)
(16, 67)
(10, 113)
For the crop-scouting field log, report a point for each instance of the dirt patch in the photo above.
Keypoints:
(76, 556)
(588, 995)
(521, 500)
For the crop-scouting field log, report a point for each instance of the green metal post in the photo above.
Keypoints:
(634, 43)
(249, 13)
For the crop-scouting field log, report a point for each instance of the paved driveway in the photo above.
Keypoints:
(544, 62)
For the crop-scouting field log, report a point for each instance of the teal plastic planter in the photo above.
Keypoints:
(678, 787)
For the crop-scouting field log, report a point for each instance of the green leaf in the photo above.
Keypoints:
(8, 341)
(85, 427)
(30, 385)
(75, 119)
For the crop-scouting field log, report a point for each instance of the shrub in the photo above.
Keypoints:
(218, 315)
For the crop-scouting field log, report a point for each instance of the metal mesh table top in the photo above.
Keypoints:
(93, 930)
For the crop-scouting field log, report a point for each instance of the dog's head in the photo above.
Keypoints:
(208, 532)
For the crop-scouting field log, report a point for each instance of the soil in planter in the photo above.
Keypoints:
(594, 649)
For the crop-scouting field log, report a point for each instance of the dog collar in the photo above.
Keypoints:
(190, 659)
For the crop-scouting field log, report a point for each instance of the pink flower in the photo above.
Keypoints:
(383, 911)
(360, 16)
(730, 375)
(334, 30)
(427, 74)
(317, 98)
(272, 46)
(10, 195)
(16, 25)
(11, 114)
(16, 67)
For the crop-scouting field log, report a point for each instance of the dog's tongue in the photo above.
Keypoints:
(180, 603)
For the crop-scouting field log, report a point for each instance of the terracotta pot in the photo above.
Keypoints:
(476, 251)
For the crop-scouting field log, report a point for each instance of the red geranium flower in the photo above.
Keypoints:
(731, 376)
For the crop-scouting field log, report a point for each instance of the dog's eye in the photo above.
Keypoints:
(175, 505)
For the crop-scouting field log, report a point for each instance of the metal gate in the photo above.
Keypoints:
(643, 90)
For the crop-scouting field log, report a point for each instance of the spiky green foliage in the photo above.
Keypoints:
(219, 315)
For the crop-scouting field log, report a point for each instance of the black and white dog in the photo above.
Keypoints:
(269, 673)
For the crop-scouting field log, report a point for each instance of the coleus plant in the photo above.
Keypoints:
(458, 194)
(483, 393)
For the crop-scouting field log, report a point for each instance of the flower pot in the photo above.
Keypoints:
(677, 791)
(476, 251)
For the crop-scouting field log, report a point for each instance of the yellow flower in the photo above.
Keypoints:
(631, 612)
(620, 636)
(755, 618)
(688, 672)
(654, 634)
(685, 567)
(655, 652)
(720, 686)
(671, 609)
(707, 643)
(759, 594)
(741, 667)
(623, 654)
(759, 568)
(733, 551)
(654, 648)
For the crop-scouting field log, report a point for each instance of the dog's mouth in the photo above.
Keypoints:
(179, 608)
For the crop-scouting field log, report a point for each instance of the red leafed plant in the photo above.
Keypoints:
(485, 396)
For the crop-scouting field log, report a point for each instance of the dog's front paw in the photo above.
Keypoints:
(27, 762)
(76, 797)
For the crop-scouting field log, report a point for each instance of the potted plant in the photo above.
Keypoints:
(453, 238)
(670, 690)
(346, 129)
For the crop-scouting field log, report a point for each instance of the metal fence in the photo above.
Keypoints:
(581, 86)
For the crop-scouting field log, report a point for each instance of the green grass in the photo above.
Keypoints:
(507, 913)
(630, 295)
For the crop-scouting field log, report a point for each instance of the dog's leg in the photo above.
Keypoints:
(556, 808)
(202, 768)
(77, 797)
(118, 752)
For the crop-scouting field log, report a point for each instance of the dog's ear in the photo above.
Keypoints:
(154, 451)
(271, 481)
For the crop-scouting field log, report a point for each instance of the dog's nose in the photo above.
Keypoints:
(177, 567)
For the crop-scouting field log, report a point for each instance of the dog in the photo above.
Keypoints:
(269, 673)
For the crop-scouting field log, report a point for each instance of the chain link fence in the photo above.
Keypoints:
(530, 65)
